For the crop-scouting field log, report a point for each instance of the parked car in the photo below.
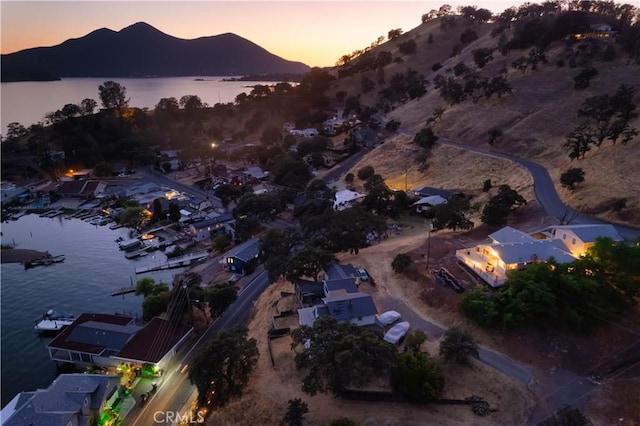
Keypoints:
(387, 318)
(363, 275)
(396, 333)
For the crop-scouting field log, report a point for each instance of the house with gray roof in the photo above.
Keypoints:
(357, 308)
(512, 249)
(238, 258)
(71, 399)
(205, 229)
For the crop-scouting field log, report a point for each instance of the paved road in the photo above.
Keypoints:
(500, 362)
(175, 389)
(544, 188)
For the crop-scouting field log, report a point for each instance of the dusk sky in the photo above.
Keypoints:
(316, 33)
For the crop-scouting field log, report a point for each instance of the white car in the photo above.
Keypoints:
(396, 333)
(363, 275)
(387, 318)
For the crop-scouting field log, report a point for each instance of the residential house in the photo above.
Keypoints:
(511, 249)
(345, 198)
(107, 340)
(255, 174)
(342, 299)
(238, 258)
(357, 308)
(579, 238)
(204, 230)
(70, 400)
(81, 189)
(425, 204)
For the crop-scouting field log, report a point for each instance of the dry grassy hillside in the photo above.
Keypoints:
(535, 120)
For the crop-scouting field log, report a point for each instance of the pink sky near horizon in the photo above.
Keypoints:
(316, 33)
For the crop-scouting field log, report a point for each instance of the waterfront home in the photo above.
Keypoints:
(10, 191)
(239, 258)
(108, 340)
(511, 249)
(81, 189)
(71, 399)
(205, 229)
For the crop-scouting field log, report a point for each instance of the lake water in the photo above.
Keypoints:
(93, 268)
(28, 102)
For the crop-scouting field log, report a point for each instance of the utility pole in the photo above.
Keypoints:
(429, 224)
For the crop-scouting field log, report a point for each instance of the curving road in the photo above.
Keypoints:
(544, 188)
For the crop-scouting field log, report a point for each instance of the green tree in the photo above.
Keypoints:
(15, 130)
(583, 79)
(222, 369)
(275, 249)
(571, 177)
(425, 138)
(414, 340)
(579, 141)
(113, 95)
(452, 214)
(401, 263)
(458, 346)
(88, 106)
(308, 262)
(337, 355)
(482, 56)
(145, 287)
(295, 413)
(219, 298)
(158, 214)
(486, 185)
(365, 172)
(408, 47)
(418, 377)
(494, 133)
(221, 242)
(496, 211)
(227, 193)
(154, 305)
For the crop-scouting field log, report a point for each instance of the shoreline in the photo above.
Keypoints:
(21, 255)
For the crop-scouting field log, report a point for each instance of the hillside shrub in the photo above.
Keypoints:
(366, 172)
(436, 66)
(401, 263)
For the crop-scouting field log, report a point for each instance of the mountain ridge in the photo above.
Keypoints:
(141, 50)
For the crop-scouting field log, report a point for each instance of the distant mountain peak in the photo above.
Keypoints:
(142, 50)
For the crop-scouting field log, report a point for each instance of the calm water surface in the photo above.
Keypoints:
(94, 267)
(28, 102)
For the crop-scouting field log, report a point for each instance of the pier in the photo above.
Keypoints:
(177, 262)
(124, 290)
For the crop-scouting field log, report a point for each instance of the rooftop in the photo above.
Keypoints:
(153, 341)
(81, 341)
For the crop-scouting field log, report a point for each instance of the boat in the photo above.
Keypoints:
(44, 261)
(53, 322)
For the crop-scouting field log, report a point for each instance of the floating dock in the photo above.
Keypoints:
(177, 262)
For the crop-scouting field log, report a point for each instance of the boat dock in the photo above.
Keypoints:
(177, 262)
(124, 290)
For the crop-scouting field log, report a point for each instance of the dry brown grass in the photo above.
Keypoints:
(273, 385)
(535, 120)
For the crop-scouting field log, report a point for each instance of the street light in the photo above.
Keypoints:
(212, 160)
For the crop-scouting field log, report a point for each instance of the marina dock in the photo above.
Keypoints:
(177, 262)
(124, 290)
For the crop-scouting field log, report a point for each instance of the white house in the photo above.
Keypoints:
(511, 249)
(424, 204)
